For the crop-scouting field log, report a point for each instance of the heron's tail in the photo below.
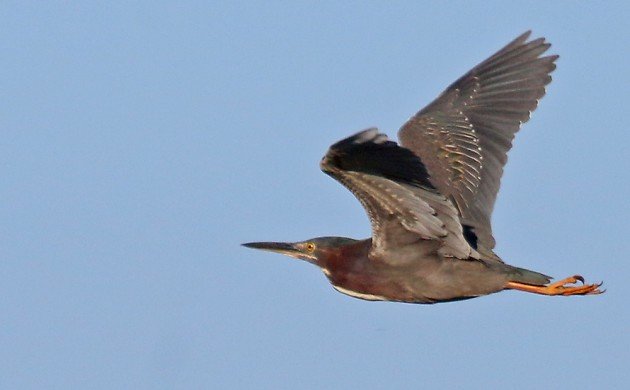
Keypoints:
(523, 275)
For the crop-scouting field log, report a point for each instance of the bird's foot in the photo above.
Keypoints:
(563, 287)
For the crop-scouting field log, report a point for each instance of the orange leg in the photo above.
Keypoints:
(562, 287)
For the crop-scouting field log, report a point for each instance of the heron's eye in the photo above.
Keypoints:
(310, 247)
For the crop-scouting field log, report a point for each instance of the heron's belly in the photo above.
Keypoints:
(397, 295)
(376, 288)
(439, 282)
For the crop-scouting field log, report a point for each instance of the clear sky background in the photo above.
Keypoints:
(142, 143)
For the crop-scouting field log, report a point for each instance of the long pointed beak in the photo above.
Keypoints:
(284, 248)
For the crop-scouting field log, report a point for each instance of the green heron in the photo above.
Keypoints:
(430, 199)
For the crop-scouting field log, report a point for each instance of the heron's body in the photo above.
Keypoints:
(424, 277)
(430, 199)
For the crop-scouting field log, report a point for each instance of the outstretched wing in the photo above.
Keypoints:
(393, 186)
(464, 135)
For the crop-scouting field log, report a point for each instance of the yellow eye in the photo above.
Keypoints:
(310, 247)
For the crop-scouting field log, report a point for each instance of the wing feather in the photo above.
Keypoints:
(464, 135)
(393, 187)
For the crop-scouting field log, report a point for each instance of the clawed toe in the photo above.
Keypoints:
(587, 289)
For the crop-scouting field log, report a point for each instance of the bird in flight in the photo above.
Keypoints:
(430, 198)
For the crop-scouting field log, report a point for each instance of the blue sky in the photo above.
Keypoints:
(143, 142)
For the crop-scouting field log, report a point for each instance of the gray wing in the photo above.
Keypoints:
(464, 135)
(392, 185)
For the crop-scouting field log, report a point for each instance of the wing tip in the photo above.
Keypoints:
(370, 134)
(371, 152)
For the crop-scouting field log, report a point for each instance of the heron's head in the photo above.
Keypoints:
(312, 250)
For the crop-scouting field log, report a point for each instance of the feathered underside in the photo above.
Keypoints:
(393, 186)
